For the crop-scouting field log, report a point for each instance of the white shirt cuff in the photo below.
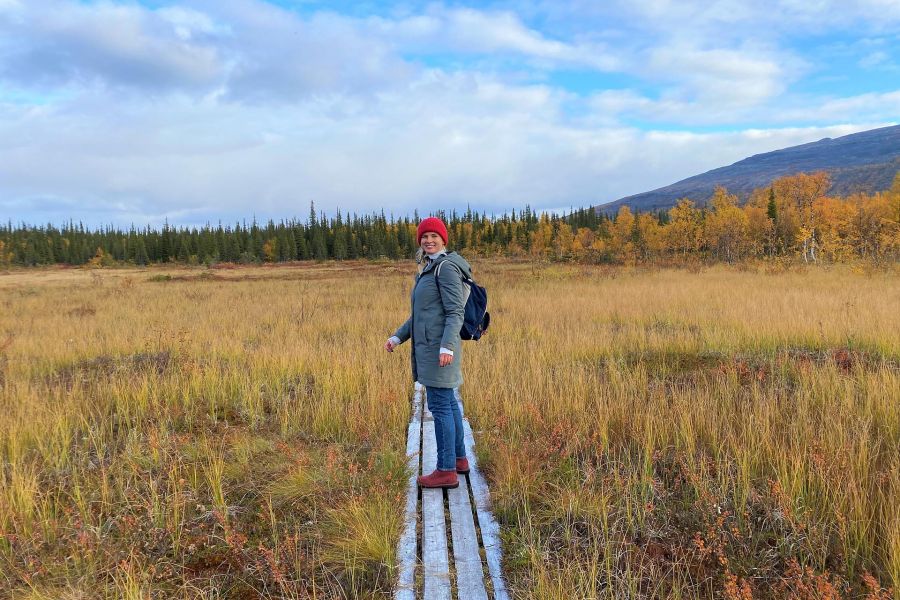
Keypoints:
(394, 339)
(446, 351)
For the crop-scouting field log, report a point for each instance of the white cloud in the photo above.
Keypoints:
(283, 57)
(443, 141)
(879, 60)
(616, 105)
(729, 77)
(188, 22)
(473, 31)
(878, 106)
(59, 43)
(248, 48)
(257, 51)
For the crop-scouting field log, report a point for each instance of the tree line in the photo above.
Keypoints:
(793, 217)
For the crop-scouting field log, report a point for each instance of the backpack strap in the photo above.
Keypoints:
(437, 270)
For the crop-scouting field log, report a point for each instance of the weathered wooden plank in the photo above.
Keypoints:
(406, 547)
(490, 531)
(435, 563)
(466, 557)
(435, 560)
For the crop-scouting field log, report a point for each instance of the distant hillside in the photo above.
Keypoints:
(860, 162)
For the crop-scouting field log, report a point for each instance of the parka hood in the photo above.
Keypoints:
(460, 262)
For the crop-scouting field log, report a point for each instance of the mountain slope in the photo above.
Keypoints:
(860, 162)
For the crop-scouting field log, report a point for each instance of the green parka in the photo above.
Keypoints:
(436, 320)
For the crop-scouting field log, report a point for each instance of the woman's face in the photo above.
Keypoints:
(431, 242)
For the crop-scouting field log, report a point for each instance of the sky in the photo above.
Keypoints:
(198, 111)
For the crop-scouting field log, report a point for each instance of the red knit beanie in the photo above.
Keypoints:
(431, 224)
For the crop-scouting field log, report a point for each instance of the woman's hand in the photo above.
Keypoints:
(445, 359)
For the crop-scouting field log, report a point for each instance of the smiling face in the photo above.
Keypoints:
(431, 242)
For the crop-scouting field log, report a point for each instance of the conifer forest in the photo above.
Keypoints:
(794, 217)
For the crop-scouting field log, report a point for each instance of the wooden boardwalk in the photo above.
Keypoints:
(450, 547)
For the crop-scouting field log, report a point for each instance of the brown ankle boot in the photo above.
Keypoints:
(439, 479)
(462, 465)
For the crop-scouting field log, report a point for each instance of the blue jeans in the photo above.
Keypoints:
(448, 426)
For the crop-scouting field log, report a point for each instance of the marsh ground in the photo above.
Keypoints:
(646, 433)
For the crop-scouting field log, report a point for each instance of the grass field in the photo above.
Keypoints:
(646, 433)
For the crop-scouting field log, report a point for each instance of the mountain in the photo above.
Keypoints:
(860, 162)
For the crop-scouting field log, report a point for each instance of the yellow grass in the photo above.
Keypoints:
(239, 433)
(658, 434)
(220, 435)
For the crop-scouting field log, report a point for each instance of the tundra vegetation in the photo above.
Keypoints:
(714, 432)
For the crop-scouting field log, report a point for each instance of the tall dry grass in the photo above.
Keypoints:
(228, 434)
(647, 434)
(665, 434)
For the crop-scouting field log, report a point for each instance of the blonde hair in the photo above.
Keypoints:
(420, 258)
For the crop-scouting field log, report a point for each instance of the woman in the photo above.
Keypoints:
(438, 305)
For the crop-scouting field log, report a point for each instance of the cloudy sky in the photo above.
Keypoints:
(134, 112)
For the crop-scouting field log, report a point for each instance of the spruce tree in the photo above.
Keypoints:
(302, 246)
(288, 244)
(319, 248)
(340, 244)
(183, 252)
(772, 208)
(140, 252)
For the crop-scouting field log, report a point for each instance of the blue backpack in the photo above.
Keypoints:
(477, 318)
